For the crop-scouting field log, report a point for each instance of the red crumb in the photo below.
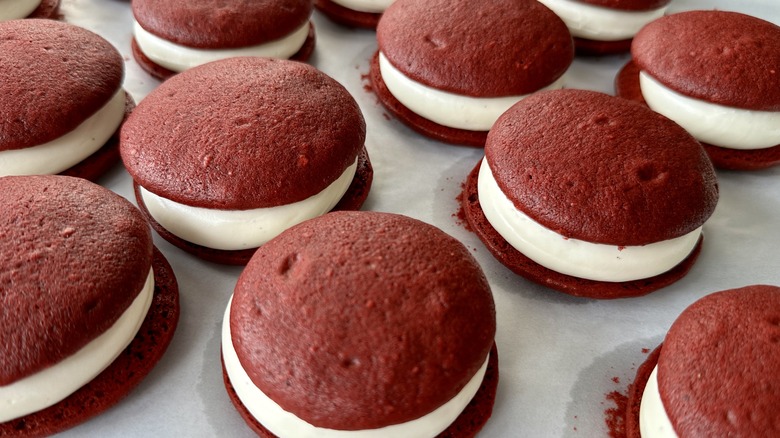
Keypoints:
(645, 350)
(460, 215)
(366, 80)
(616, 380)
(615, 417)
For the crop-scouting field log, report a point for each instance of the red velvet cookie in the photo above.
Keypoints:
(346, 16)
(441, 44)
(604, 27)
(47, 9)
(68, 78)
(78, 257)
(386, 314)
(285, 132)
(594, 169)
(214, 25)
(717, 367)
(714, 57)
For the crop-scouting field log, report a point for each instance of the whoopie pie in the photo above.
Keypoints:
(361, 322)
(61, 99)
(226, 155)
(591, 195)
(717, 74)
(449, 68)
(716, 373)
(355, 13)
(602, 27)
(89, 306)
(170, 36)
(15, 9)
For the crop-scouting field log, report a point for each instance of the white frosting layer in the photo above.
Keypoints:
(70, 149)
(653, 420)
(55, 383)
(372, 6)
(578, 258)
(178, 58)
(718, 125)
(599, 23)
(242, 229)
(448, 109)
(13, 9)
(287, 425)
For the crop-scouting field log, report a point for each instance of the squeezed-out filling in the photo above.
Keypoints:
(718, 125)
(599, 23)
(242, 229)
(371, 6)
(448, 109)
(653, 420)
(578, 258)
(65, 152)
(286, 424)
(13, 9)
(178, 58)
(53, 384)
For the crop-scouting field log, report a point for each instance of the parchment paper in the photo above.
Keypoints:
(559, 356)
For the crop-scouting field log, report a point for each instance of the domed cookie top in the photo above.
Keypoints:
(243, 133)
(717, 372)
(601, 169)
(53, 76)
(218, 24)
(66, 262)
(476, 48)
(358, 320)
(722, 57)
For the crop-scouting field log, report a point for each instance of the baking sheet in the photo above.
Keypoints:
(559, 355)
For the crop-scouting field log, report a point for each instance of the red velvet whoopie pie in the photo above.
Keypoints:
(170, 36)
(61, 100)
(362, 321)
(17, 9)
(716, 372)
(228, 154)
(716, 74)
(448, 69)
(89, 305)
(591, 195)
(353, 13)
(606, 27)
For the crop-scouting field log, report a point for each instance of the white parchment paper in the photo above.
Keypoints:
(559, 355)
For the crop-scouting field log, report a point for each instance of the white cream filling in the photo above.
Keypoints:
(285, 424)
(242, 229)
(53, 384)
(718, 125)
(178, 58)
(371, 6)
(13, 9)
(448, 109)
(70, 149)
(599, 23)
(653, 420)
(578, 258)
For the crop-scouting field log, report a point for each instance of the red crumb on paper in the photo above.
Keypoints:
(460, 215)
(614, 417)
(616, 380)
(645, 350)
(366, 80)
